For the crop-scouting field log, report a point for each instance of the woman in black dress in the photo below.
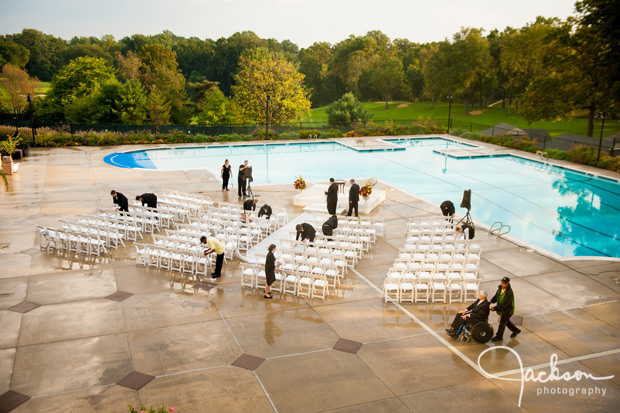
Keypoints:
(270, 269)
(226, 174)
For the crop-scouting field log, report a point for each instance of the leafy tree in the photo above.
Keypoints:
(159, 70)
(13, 53)
(433, 59)
(44, 49)
(81, 77)
(78, 50)
(468, 63)
(17, 84)
(346, 110)
(157, 107)
(386, 75)
(314, 65)
(128, 67)
(215, 108)
(263, 74)
(132, 104)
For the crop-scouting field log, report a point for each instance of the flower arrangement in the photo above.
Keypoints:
(366, 190)
(300, 184)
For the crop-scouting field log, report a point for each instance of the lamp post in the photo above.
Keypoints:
(267, 117)
(29, 100)
(600, 115)
(449, 97)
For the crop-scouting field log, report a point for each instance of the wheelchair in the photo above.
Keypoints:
(482, 332)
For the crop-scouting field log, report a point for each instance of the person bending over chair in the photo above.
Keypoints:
(475, 313)
(214, 245)
(120, 200)
(148, 199)
(266, 211)
(466, 231)
(249, 205)
(306, 232)
(329, 226)
(447, 209)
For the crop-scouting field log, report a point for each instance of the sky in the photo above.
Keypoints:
(301, 21)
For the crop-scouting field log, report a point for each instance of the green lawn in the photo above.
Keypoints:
(489, 116)
(41, 90)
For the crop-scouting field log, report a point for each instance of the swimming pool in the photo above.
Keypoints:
(565, 212)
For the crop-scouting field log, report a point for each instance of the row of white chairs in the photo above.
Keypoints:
(431, 255)
(334, 269)
(179, 209)
(352, 250)
(170, 259)
(297, 283)
(128, 229)
(111, 236)
(423, 290)
(147, 222)
(341, 258)
(166, 217)
(363, 241)
(63, 240)
(191, 235)
(185, 197)
(378, 224)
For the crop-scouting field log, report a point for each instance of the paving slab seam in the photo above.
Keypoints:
(299, 354)
(228, 327)
(394, 338)
(559, 362)
(103, 386)
(178, 373)
(427, 328)
(574, 308)
(265, 390)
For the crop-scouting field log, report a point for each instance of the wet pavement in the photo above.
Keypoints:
(100, 333)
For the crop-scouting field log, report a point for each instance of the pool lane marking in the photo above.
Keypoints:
(424, 326)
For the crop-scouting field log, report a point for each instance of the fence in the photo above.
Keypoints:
(8, 124)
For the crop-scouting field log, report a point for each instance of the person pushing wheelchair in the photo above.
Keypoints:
(477, 312)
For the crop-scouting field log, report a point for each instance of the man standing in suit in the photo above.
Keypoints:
(120, 200)
(332, 197)
(354, 197)
(475, 313)
(241, 179)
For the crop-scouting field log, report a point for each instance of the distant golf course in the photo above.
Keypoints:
(400, 111)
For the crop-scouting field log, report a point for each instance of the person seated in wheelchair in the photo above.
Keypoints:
(472, 315)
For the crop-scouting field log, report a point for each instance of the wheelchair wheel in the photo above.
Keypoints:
(465, 338)
(482, 332)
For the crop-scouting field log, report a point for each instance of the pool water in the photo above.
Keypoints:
(562, 211)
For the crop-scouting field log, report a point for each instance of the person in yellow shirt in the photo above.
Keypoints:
(214, 245)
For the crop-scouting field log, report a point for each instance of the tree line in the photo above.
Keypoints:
(545, 70)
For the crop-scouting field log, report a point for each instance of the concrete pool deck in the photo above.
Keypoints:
(81, 339)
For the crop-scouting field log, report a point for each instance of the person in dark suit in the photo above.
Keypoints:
(266, 211)
(475, 313)
(250, 204)
(120, 200)
(447, 209)
(332, 197)
(148, 199)
(305, 231)
(270, 269)
(505, 308)
(354, 197)
(330, 225)
(241, 179)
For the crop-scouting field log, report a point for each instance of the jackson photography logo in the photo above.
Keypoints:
(554, 374)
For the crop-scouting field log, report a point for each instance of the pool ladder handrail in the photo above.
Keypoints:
(542, 155)
(499, 231)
